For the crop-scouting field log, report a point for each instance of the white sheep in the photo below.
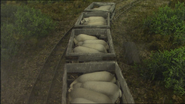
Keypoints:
(82, 100)
(83, 37)
(89, 95)
(96, 23)
(96, 19)
(98, 41)
(95, 76)
(85, 21)
(98, 47)
(93, 20)
(108, 88)
(81, 49)
(104, 8)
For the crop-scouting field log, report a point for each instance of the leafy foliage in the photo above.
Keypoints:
(7, 13)
(32, 23)
(168, 67)
(167, 22)
(173, 2)
(19, 25)
(8, 10)
(8, 41)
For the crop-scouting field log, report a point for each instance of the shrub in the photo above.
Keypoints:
(173, 2)
(8, 41)
(32, 23)
(168, 67)
(167, 21)
(7, 13)
(27, 24)
(8, 10)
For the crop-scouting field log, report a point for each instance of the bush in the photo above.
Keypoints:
(168, 67)
(32, 23)
(28, 23)
(8, 10)
(169, 22)
(7, 13)
(8, 41)
(173, 2)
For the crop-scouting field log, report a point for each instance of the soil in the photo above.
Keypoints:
(19, 73)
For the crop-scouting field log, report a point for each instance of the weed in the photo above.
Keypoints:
(167, 21)
(7, 13)
(20, 24)
(168, 67)
(8, 41)
(32, 23)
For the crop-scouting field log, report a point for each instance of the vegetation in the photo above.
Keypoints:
(173, 2)
(166, 27)
(164, 31)
(168, 67)
(32, 23)
(20, 24)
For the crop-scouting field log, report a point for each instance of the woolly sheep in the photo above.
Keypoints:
(95, 76)
(77, 85)
(96, 23)
(83, 37)
(89, 95)
(105, 7)
(81, 49)
(85, 21)
(81, 100)
(98, 47)
(93, 20)
(108, 88)
(98, 41)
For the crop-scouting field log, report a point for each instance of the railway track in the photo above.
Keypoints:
(41, 87)
(125, 8)
(48, 86)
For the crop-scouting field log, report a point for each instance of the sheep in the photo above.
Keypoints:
(89, 95)
(94, 42)
(81, 49)
(107, 88)
(82, 100)
(84, 21)
(96, 19)
(77, 85)
(96, 23)
(104, 8)
(98, 47)
(95, 76)
(83, 37)
(93, 20)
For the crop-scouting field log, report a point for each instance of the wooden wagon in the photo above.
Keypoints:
(103, 34)
(105, 15)
(97, 4)
(70, 69)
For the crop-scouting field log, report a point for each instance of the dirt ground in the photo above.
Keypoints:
(19, 73)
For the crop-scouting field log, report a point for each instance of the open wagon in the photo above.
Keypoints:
(72, 69)
(105, 15)
(92, 6)
(103, 34)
